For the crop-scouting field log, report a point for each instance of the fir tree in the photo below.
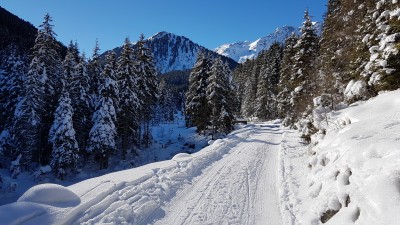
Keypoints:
(305, 69)
(196, 107)
(286, 85)
(103, 134)
(110, 71)
(166, 104)
(11, 83)
(34, 112)
(147, 84)
(128, 115)
(43, 85)
(94, 72)
(81, 101)
(219, 96)
(62, 137)
(250, 92)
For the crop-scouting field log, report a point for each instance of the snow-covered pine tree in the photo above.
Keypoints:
(331, 64)
(42, 88)
(273, 70)
(383, 42)
(12, 73)
(128, 115)
(305, 69)
(196, 107)
(79, 90)
(94, 71)
(240, 75)
(250, 89)
(165, 105)
(219, 96)
(69, 64)
(110, 71)
(62, 137)
(103, 134)
(285, 85)
(147, 81)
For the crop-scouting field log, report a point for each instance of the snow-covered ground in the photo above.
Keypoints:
(232, 181)
(354, 170)
(259, 174)
(169, 139)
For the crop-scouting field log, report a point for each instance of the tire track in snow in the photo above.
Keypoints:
(238, 189)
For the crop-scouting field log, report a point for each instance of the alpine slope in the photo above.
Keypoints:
(232, 181)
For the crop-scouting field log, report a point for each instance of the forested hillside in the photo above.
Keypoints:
(355, 58)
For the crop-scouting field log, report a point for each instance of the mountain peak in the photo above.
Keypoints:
(173, 52)
(243, 50)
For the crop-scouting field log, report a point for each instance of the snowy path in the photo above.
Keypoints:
(238, 189)
(232, 181)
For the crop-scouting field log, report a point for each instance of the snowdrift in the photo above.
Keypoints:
(355, 167)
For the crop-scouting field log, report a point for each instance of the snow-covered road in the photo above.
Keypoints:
(238, 189)
(232, 181)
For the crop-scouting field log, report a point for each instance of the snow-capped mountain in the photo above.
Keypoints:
(173, 52)
(240, 51)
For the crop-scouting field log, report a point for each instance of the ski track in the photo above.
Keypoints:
(238, 189)
(233, 181)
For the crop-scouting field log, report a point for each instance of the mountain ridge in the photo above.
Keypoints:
(173, 52)
(242, 50)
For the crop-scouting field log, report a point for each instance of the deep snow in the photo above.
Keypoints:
(354, 169)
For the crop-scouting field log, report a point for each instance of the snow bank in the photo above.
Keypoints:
(50, 194)
(354, 168)
(19, 212)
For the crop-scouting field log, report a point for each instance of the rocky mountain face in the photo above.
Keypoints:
(173, 52)
(240, 51)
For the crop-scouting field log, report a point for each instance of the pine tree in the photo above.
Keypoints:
(147, 81)
(128, 115)
(196, 107)
(94, 72)
(166, 104)
(383, 41)
(285, 85)
(43, 85)
(219, 96)
(11, 83)
(103, 134)
(305, 69)
(250, 90)
(79, 89)
(273, 73)
(110, 71)
(62, 137)
(70, 62)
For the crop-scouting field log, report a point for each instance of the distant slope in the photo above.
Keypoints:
(15, 30)
(173, 52)
(240, 51)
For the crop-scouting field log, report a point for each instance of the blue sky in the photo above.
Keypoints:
(207, 22)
